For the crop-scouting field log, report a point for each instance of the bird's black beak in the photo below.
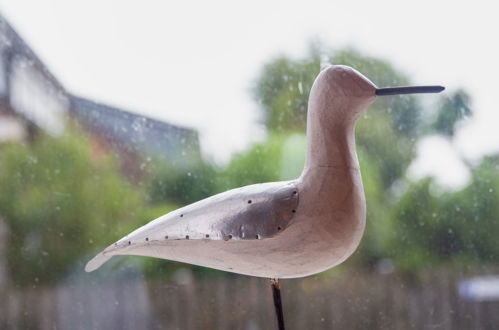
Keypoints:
(409, 90)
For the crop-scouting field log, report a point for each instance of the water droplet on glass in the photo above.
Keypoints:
(300, 87)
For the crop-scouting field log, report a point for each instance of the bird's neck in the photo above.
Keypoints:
(331, 132)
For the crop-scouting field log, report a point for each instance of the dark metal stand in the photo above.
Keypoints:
(276, 293)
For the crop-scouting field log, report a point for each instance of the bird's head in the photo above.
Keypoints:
(344, 81)
(347, 92)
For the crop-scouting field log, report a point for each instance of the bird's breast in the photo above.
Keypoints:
(332, 204)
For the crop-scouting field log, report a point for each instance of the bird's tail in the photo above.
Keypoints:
(96, 262)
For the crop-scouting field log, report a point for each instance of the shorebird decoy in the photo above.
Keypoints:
(280, 229)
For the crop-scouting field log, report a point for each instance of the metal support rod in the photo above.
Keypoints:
(276, 293)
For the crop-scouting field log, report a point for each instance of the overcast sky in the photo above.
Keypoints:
(193, 62)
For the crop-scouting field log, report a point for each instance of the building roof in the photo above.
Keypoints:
(122, 129)
(133, 131)
(14, 44)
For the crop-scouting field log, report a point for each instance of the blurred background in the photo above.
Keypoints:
(113, 113)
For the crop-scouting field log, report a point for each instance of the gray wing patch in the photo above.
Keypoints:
(263, 212)
(253, 212)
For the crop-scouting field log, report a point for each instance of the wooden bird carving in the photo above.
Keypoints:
(280, 229)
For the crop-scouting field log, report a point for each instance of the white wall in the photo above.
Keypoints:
(36, 98)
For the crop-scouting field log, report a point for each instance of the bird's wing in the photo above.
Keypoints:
(249, 213)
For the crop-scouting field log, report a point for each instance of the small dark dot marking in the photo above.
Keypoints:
(115, 244)
(295, 192)
(147, 238)
(166, 237)
(257, 236)
(294, 211)
(181, 215)
(249, 202)
(279, 228)
(230, 236)
(207, 236)
(186, 236)
(129, 242)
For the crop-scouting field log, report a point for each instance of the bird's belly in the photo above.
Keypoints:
(299, 251)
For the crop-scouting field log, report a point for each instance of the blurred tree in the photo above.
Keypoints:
(434, 227)
(59, 202)
(180, 185)
(453, 109)
(261, 163)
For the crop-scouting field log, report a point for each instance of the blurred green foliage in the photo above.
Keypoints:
(432, 227)
(181, 185)
(453, 109)
(59, 203)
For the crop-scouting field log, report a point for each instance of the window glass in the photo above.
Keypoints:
(113, 114)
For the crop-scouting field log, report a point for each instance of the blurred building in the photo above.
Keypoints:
(31, 98)
(135, 138)
(32, 101)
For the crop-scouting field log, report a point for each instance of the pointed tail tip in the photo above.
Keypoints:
(96, 262)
